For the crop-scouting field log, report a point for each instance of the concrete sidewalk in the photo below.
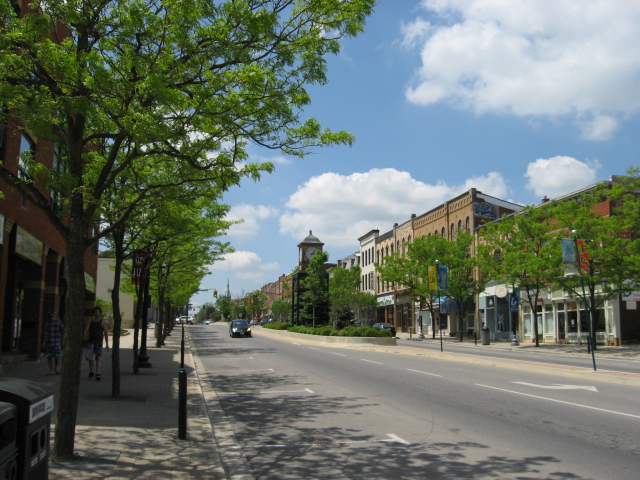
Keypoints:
(136, 436)
(631, 351)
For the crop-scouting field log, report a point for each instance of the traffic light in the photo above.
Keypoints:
(215, 293)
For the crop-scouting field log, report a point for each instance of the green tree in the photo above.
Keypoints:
(316, 284)
(412, 270)
(466, 277)
(281, 310)
(612, 268)
(224, 306)
(343, 288)
(522, 250)
(131, 86)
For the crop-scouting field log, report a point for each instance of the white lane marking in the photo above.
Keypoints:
(425, 373)
(339, 354)
(268, 392)
(311, 348)
(288, 391)
(261, 370)
(561, 401)
(558, 386)
(251, 358)
(371, 361)
(395, 438)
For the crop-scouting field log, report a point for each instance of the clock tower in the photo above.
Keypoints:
(307, 249)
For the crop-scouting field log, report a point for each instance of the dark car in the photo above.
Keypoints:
(386, 326)
(239, 328)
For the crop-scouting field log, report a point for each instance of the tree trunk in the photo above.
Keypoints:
(72, 358)
(117, 319)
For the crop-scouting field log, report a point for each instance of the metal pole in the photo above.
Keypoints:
(182, 348)
(182, 405)
(584, 301)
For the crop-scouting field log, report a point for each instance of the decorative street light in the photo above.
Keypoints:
(439, 303)
(580, 256)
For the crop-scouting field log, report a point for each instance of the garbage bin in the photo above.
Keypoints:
(8, 442)
(484, 336)
(34, 404)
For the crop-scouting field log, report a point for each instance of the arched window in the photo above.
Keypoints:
(468, 225)
(453, 231)
(444, 233)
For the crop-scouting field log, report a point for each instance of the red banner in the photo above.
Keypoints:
(583, 256)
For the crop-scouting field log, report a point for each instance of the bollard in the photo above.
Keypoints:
(182, 348)
(182, 405)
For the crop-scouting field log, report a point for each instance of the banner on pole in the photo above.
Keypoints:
(583, 256)
(139, 258)
(569, 256)
(443, 277)
(432, 277)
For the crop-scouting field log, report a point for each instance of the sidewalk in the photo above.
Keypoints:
(629, 352)
(137, 435)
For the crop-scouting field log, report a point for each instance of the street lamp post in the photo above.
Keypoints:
(514, 323)
(439, 304)
(591, 340)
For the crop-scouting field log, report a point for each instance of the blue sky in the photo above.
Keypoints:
(519, 99)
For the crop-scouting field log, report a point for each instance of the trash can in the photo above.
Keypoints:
(484, 336)
(8, 442)
(34, 404)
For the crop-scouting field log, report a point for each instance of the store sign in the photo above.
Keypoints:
(29, 246)
(631, 297)
(385, 300)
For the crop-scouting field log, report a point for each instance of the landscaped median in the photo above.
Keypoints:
(322, 340)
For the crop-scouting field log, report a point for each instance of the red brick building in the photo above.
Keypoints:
(33, 274)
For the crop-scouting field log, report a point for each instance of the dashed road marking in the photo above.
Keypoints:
(425, 373)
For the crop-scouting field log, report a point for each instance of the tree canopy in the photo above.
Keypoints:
(154, 94)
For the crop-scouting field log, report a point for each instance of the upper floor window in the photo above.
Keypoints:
(27, 154)
(57, 169)
(3, 139)
(468, 226)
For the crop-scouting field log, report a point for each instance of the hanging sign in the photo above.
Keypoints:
(139, 258)
(583, 256)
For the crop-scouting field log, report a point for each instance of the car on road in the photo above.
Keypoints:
(207, 322)
(386, 326)
(239, 328)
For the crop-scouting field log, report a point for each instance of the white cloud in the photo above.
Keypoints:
(250, 216)
(560, 175)
(546, 58)
(339, 209)
(601, 127)
(246, 266)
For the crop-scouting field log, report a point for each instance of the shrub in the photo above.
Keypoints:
(278, 325)
(326, 331)
(383, 332)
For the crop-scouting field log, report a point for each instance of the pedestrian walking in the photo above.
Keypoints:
(95, 330)
(54, 336)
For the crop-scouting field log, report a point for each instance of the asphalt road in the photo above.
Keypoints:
(303, 412)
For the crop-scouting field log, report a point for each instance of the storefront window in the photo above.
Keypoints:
(572, 317)
(548, 319)
(526, 321)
